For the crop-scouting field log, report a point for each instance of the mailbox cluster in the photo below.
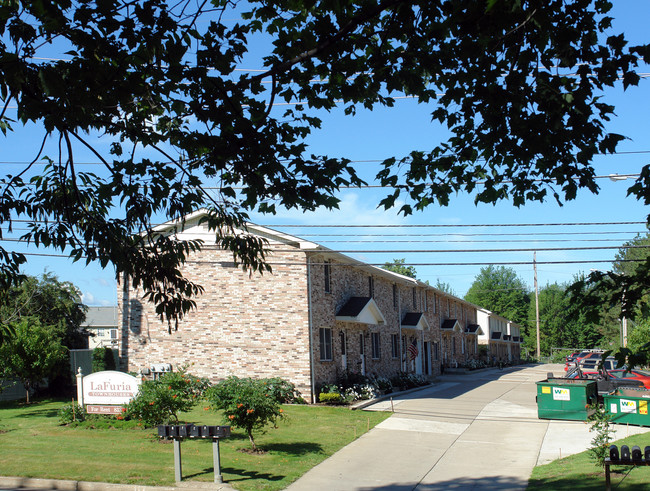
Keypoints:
(626, 456)
(179, 432)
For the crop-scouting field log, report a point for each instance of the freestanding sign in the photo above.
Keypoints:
(104, 392)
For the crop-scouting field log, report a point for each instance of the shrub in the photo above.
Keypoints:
(282, 390)
(72, 412)
(159, 401)
(103, 359)
(330, 398)
(246, 403)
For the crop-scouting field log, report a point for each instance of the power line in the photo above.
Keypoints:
(295, 263)
(434, 225)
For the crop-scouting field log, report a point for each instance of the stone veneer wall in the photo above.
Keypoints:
(244, 325)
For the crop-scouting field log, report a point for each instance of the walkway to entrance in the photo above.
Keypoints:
(475, 431)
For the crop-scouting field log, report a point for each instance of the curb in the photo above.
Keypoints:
(66, 485)
(368, 402)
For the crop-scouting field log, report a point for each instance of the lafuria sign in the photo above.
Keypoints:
(107, 388)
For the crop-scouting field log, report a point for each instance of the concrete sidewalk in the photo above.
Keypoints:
(476, 431)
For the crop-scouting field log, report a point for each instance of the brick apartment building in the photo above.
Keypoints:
(318, 315)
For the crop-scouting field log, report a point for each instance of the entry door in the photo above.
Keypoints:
(362, 349)
(344, 351)
(418, 360)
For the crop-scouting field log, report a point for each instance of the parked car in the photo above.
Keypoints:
(606, 383)
(583, 355)
(593, 363)
(640, 375)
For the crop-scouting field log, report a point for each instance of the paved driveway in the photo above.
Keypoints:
(477, 431)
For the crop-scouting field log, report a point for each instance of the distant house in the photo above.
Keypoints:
(320, 315)
(103, 323)
(501, 336)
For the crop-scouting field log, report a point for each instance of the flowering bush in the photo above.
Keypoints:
(159, 401)
(408, 380)
(249, 404)
(72, 412)
(282, 390)
(475, 364)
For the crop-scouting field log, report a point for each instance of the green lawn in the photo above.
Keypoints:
(40, 447)
(579, 473)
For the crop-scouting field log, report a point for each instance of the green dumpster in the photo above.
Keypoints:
(628, 406)
(559, 398)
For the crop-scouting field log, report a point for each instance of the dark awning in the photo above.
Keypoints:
(415, 320)
(506, 337)
(474, 329)
(451, 325)
(496, 335)
(363, 310)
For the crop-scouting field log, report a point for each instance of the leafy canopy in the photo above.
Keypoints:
(398, 266)
(33, 353)
(152, 90)
(499, 290)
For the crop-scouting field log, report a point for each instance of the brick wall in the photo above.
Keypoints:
(245, 325)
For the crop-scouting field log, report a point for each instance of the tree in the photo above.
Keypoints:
(518, 85)
(443, 286)
(246, 403)
(52, 302)
(33, 353)
(398, 266)
(500, 290)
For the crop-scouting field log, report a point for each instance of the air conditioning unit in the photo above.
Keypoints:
(161, 368)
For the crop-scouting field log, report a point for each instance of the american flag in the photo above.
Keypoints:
(413, 349)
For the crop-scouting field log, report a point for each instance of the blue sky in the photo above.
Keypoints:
(372, 136)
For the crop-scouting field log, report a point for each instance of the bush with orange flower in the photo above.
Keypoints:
(160, 401)
(246, 403)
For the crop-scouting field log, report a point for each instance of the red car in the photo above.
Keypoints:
(640, 375)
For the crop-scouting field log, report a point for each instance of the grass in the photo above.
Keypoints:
(40, 447)
(580, 473)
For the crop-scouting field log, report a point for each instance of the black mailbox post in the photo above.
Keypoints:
(178, 433)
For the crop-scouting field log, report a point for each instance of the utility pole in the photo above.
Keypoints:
(539, 354)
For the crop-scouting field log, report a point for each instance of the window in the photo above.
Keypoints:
(453, 345)
(395, 303)
(113, 333)
(327, 273)
(374, 339)
(415, 299)
(394, 345)
(435, 351)
(434, 303)
(462, 345)
(371, 287)
(343, 343)
(424, 300)
(325, 343)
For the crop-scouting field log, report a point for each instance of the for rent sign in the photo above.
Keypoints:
(109, 388)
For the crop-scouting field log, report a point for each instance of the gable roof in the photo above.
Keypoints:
(474, 329)
(101, 317)
(415, 320)
(363, 310)
(451, 325)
